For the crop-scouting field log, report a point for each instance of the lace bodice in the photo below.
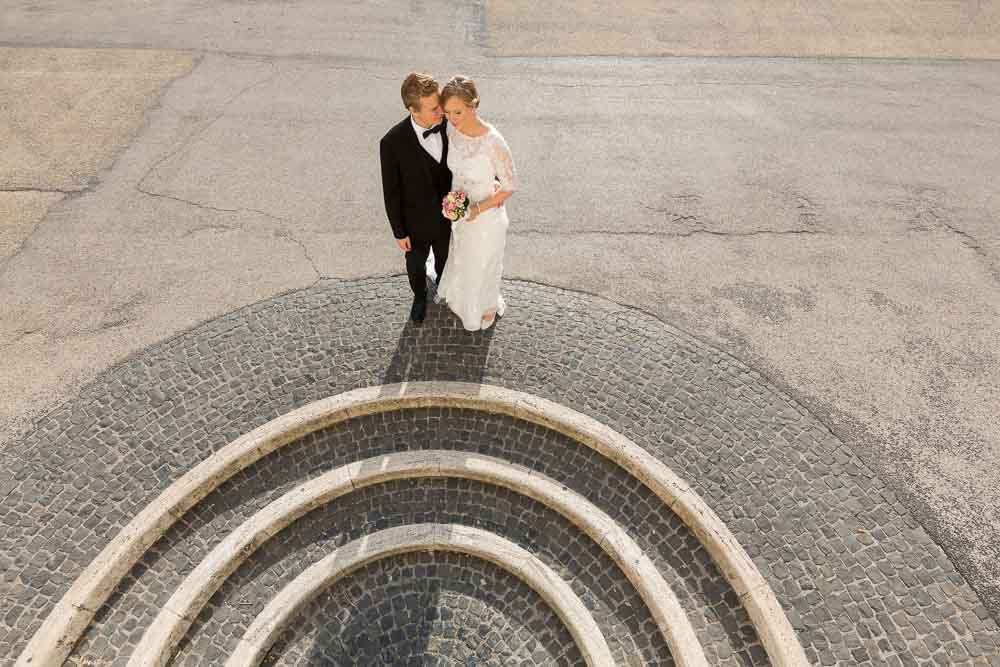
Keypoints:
(477, 162)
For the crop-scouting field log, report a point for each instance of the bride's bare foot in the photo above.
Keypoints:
(489, 317)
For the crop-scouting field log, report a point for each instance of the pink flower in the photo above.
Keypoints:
(454, 204)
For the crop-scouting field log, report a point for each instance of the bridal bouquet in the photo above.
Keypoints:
(454, 205)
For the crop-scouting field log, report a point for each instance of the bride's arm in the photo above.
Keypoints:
(498, 198)
(503, 164)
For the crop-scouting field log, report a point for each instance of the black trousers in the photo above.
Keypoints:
(416, 262)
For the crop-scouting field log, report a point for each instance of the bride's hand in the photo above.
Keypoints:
(472, 213)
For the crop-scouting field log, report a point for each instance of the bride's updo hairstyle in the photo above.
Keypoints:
(463, 88)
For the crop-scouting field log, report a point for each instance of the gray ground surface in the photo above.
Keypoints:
(859, 578)
(857, 28)
(830, 221)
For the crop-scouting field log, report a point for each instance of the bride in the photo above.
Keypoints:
(478, 157)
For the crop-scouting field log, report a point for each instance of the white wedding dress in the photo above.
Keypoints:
(470, 282)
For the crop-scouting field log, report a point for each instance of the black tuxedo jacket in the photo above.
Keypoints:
(413, 185)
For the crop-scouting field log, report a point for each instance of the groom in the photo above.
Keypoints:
(415, 178)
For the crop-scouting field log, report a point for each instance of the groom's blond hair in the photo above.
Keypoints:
(415, 86)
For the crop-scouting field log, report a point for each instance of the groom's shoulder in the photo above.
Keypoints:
(396, 131)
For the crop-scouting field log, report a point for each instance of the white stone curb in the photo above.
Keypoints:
(185, 604)
(424, 537)
(55, 639)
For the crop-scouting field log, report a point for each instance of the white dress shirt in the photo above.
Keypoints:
(433, 144)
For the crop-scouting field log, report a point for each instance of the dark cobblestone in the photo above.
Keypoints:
(755, 456)
(449, 608)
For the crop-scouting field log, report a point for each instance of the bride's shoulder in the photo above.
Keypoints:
(495, 138)
(492, 131)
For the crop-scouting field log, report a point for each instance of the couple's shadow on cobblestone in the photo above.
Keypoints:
(440, 349)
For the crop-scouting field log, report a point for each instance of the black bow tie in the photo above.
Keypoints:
(437, 128)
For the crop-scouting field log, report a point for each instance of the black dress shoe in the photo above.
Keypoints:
(418, 310)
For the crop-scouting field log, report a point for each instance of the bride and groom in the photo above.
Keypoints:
(423, 158)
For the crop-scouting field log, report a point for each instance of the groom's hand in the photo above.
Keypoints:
(404, 244)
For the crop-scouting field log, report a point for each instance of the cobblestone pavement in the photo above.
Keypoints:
(630, 631)
(858, 576)
(456, 611)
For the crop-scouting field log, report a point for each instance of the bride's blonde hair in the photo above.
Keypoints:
(463, 88)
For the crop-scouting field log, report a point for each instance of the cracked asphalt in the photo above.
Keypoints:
(826, 214)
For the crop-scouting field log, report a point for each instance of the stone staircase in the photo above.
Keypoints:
(561, 547)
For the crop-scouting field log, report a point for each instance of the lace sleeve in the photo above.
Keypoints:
(503, 163)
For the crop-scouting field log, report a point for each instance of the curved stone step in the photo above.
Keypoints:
(92, 589)
(185, 604)
(631, 632)
(403, 539)
(425, 607)
(185, 545)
